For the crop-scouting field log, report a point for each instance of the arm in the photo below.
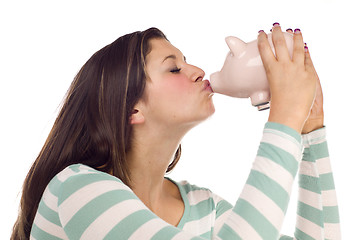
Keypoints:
(317, 197)
(316, 154)
(261, 207)
(329, 200)
(318, 216)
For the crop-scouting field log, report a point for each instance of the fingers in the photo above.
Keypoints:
(309, 67)
(281, 50)
(267, 55)
(298, 52)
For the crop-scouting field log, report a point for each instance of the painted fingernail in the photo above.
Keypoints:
(289, 29)
(297, 30)
(261, 31)
(270, 30)
(306, 48)
(276, 24)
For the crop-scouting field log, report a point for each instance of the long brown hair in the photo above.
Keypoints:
(93, 125)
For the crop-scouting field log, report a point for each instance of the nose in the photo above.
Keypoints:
(197, 74)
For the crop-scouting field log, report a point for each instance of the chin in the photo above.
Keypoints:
(210, 111)
(199, 115)
(199, 118)
(212, 108)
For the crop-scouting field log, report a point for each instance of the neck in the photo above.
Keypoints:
(151, 153)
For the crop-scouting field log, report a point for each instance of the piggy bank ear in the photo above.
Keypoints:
(236, 45)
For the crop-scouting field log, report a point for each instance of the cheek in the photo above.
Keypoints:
(176, 84)
(172, 88)
(173, 94)
(176, 88)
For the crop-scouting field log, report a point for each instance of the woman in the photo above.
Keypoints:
(101, 171)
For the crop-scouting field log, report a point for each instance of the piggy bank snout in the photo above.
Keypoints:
(214, 81)
(214, 76)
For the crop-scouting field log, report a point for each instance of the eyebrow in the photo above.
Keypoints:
(172, 56)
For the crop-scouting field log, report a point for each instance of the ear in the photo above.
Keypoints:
(236, 45)
(137, 117)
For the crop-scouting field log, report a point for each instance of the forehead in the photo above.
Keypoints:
(161, 48)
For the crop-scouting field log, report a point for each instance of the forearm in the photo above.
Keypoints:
(263, 202)
(317, 214)
(316, 151)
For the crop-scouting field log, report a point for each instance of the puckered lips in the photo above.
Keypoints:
(207, 86)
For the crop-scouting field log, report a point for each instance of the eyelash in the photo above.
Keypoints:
(175, 70)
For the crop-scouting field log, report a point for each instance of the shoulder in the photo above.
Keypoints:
(78, 180)
(92, 204)
(78, 170)
(82, 174)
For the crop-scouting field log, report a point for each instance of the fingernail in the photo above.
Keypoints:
(261, 31)
(276, 24)
(270, 30)
(306, 47)
(297, 30)
(289, 29)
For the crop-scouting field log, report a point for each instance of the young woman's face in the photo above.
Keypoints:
(174, 89)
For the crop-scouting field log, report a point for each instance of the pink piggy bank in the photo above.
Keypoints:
(243, 74)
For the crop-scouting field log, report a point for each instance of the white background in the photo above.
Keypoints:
(44, 44)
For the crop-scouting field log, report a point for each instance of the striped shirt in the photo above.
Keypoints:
(83, 203)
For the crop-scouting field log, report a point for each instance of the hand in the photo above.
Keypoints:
(292, 81)
(316, 117)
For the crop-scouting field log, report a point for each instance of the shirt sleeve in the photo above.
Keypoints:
(100, 206)
(260, 209)
(317, 214)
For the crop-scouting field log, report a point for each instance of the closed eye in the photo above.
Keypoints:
(175, 70)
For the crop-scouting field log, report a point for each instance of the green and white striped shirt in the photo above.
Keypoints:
(83, 203)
